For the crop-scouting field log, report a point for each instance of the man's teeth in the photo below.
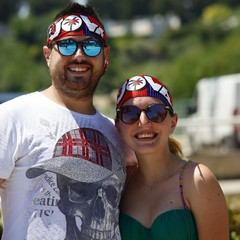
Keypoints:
(77, 69)
(145, 135)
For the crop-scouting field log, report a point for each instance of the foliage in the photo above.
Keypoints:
(21, 69)
(215, 13)
(179, 57)
(188, 10)
(40, 8)
(7, 9)
(10, 8)
(234, 216)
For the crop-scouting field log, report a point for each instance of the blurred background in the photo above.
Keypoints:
(185, 43)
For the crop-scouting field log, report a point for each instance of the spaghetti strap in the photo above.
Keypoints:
(130, 170)
(181, 184)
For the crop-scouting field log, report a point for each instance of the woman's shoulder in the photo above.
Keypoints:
(199, 181)
(197, 172)
(206, 200)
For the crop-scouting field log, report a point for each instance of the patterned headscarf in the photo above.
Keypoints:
(75, 25)
(142, 86)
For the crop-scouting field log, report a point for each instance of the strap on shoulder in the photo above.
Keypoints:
(181, 183)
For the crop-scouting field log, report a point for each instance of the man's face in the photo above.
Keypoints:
(75, 76)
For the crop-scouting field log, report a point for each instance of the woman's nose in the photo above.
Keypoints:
(143, 119)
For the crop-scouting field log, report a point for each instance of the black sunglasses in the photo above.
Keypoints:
(68, 47)
(155, 112)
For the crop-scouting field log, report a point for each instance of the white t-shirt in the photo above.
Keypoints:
(64, 177)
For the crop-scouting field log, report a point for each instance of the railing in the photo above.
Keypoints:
(193, 133)
(186, 122)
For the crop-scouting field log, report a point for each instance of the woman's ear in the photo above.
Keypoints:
(174, 122)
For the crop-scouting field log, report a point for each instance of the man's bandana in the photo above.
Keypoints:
(75, 25)
(142, 86)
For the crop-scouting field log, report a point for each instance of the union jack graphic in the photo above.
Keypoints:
(87, 144)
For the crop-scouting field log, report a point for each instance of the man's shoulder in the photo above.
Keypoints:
(19, 98)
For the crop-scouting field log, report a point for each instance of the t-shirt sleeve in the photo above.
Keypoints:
(7, 143)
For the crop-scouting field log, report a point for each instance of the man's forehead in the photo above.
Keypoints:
(78, 38)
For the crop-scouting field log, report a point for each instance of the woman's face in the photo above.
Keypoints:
(145, 136)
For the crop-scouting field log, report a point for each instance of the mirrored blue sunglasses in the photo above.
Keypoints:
(89, 47)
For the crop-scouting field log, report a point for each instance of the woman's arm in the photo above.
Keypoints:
(207, 202)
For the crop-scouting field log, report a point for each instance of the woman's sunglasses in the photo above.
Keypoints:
(68, 47)
(155, 112)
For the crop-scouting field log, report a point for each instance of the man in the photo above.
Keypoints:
(61, 161)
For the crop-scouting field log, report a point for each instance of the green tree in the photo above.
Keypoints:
(7, 9)
(19, 70)
(44, 6)
(187, 10)
(215, 13)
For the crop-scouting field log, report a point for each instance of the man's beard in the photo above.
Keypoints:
(78, 93)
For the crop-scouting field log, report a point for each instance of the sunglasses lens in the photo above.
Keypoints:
(91, 48)
(156, 112)
(130, 114)
(67, 47)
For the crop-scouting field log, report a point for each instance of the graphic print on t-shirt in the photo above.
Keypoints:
(88, 184)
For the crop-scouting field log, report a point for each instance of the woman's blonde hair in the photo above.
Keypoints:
(175, 147)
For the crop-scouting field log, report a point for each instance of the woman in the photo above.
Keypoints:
(166, 196)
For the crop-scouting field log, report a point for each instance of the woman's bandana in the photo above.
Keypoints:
(75, 25)
(143, 86)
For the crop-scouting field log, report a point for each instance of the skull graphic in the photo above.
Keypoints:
(90, 179)
(91, 209)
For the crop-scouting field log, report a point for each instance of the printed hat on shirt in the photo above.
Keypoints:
(142, 86)
(84, 155)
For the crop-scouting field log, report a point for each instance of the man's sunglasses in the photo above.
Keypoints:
(155, 112)
(68, 47)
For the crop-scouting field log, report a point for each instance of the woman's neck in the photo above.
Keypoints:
(155, 168)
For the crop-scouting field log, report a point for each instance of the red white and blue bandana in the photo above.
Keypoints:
(142, 86)
(75, 25)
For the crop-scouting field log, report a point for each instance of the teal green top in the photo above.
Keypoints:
(176, 224)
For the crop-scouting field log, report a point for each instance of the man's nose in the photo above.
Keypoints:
(79, 51)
